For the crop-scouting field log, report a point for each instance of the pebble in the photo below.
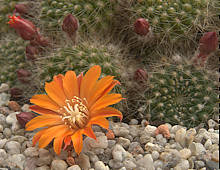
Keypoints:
(31, 152)
(129, 163)
(3, 120)
(190, 135)
(19, 139)
(45, 157)
(58, 165)
(135, 148)
(1, 128)
(133, 122)
(99, 165)
(199, 164)
(16, 161)
(215, 156)
(146, 162)
(150, 130)
(158, 164)
(185, 153)
(83, 161)
(211, 123)
(120, 131)
(11, 118)
(155, 155)
(3, 155)
(124, 142)
(197, 149)
(4, 87)
(25, 108)
(208, 143)
(214, 138)
(180, 136)
(45, 167)
(13, 105)
(2, 143)
(74, 167)
(100, 142)
(183, 165)
(13, 147)
(4, 99)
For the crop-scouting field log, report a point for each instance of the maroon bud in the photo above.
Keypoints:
(208, 43)
(24, 117)
(16, 92)
(140, 75)
(31, 52)
(22, 9)
(141, 27)
(70, 26)
(23, 75)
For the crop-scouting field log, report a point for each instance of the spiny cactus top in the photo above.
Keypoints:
(181, 94)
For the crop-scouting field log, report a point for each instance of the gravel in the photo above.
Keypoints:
(135, 146)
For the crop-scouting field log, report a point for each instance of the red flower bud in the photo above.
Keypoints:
(31, 52)
(140, 75)
(23, 27)
(23, 75)
(22, 9)
(70, 26)
(16, 92)
(24, 117)
(208, 43)
(141, 27)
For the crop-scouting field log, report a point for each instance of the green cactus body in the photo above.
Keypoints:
(91, 14)
(12, 57)
(181, 94)
(173, 18)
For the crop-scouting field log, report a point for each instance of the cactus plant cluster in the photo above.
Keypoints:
(91, 14)
(12, 57)
(175, 19)
(181, 94)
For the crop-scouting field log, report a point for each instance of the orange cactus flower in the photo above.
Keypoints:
(70, 108)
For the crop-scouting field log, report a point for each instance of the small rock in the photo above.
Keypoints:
(180, 136)
(74, 167)
(190, 135)
(45, 157)
(2, 143)
(150, 130)
(4, 87)
(199, 164)
(208, 143)
(16, 161)
(134, 130)
(212, 165)
(83, 161)
(58, 165)
(214, 138)
(150, 147)
(197, 149)
(100, 166)
(11, 118)
(129, 163)
(4, 99)
(111, 143)
(164, 130)
(45, 167)
(115, 164)
(1, 128)
(19, 139)
(31, 152)
(120, 131)
(25, 108)
(155, 155)
(215, 156)
(185, 153)
(7, 132)
(3, 120)
(3, 155)
(158, 164)
(133, 122)
(146, 162)
(117, 156)
(144, 138)
(13, 147)
(110, 135)
(135, 148)
(101, 142)
(13, 105)
(183, 165)
(211, 123)
(175, 128)
(124, 142)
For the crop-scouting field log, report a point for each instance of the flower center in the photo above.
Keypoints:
(75, 113)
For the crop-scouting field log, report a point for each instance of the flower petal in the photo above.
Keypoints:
(89, 81)
(51, 133)
(107, 112)
(56, 93)
(67, 141)
(89, 132)
(101, 121)
(44, 101)
(43, 121)
(70, 85)
(77, 140)
(106, 100)
(37, 136)
(42, 111)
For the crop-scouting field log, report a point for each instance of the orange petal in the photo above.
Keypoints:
(44, 101)
(107, 112)
(67, 141)
(50, 133)
(89, 81)
(70, 85)
(98, 89)
(59, 80)
(42, 111)
(103, 122)
(43, 121)
(105, 101)
(37, 136)
(56, 93)
(79, 79)
(89, 132)
(77, 140)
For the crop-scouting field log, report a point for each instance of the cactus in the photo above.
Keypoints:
(12, 57)
(181, 94)
(91, 14)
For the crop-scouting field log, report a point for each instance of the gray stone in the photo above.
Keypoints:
(16, 160)
(58, 165)
(144, 138)
(199, 164)
(175, 128)
(3, 120)
(211, 123)
(3, 156)
(134, 130)
(11, 118)
(1, 128)
(150, 130)
(161, 140)
(183, 165)
(45, 157)
(155, 155)
(212, 165)
(135, 148)
(45, 167)
(185, 153)
(129, 163)
(120, 131)
(100, 166)
(7, 133)
(31, 152)
(158, 164)
(150, 147)
(101, 142)
(2, 143)
(197, 149)
(117, 155)
(15, 128)
(83, 161)
(180, 136)
(215, 156)
(74, 167)
(4, 87)
(190, 135)
(146, 162)
(17, 138)
(13, 147)
(93, 157)
(207, 144)
(4, 99)
(115, 164)
(124, 142)
(214, 138)
(122, 168)
(25, 108)
(111, 143)
(133, 122)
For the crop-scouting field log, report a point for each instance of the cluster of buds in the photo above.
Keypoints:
(70, 26)
(207, 45)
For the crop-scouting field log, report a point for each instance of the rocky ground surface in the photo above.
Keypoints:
(131, 146)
